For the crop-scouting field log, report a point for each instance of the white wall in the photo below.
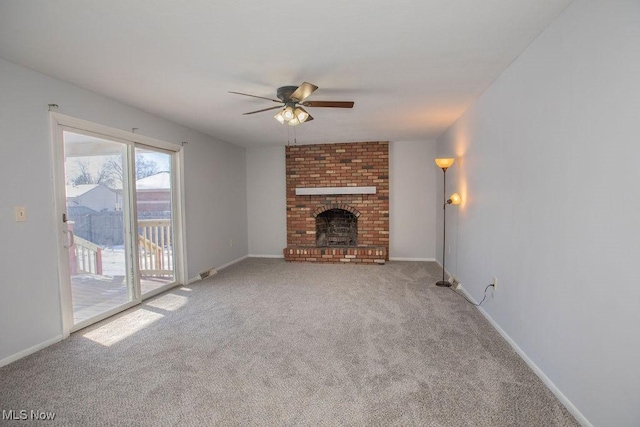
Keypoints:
(29, 298)
(216, 210)
(547, 167)
(413, 178)
(266, 201)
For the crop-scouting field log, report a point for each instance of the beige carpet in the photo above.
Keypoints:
(267, 342)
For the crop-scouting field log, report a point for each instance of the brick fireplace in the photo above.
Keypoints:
(338, 202)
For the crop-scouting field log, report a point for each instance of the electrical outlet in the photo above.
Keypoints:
(231, 243)
(449, 250)
(455, 284)
(495, 283)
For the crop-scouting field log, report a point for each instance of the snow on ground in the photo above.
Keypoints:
(114, 261)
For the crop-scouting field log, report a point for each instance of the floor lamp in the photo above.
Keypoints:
(444, 164)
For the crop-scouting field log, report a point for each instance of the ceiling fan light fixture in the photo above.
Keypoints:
(279, 117)
(291, 98)
(287, 113)
(301, 114)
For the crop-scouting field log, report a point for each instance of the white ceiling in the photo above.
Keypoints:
(411, 66)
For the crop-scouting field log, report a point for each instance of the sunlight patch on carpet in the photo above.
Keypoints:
(169, 302)
(122, 327)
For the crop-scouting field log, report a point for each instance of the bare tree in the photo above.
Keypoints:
(85, 176)
(114, 165)
(110, 172)
(144, 168)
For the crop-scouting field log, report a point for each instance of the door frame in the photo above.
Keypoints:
(60, 122)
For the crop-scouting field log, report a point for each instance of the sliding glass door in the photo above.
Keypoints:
(118, 208)
(96, 219)
(154, 202)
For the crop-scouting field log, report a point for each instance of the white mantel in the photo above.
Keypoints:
(316, 191)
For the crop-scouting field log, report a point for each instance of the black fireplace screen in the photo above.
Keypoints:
(336, 227)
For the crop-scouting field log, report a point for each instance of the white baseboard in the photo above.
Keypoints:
(393, 258)
(30, 350)
(197, 278)
(446, 272)
(222, 267)
(265, 256)
(535, 368)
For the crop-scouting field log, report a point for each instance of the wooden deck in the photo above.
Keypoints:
(98, 282)
(93, 294)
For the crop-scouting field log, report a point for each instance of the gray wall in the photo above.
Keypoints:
(29, 298)
(266, 201)
(547, 167)
(413, 179)
(216, 194)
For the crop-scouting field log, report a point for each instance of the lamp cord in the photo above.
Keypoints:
(471, 302)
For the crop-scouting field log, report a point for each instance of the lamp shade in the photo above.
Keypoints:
(301, 114)
(444, 163)
(294, 122)
(287, 113)
(279, 117)
(455, 199)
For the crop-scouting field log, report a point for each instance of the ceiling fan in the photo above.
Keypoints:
(292, 99)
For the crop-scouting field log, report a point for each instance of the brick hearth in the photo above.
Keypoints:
(361, 164)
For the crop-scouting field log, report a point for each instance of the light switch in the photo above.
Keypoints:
(21, 213)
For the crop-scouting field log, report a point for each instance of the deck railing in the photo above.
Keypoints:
(155, 251)
(155, 247)
(86, 257)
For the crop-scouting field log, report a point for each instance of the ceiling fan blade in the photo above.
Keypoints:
(264, 109)
(254, 96)
(304, 90)
(309, 118)
(332, 104)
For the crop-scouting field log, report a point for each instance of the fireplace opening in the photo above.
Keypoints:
(336, 227)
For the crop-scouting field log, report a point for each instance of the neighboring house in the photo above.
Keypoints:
(97, 197)
(153, 193)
